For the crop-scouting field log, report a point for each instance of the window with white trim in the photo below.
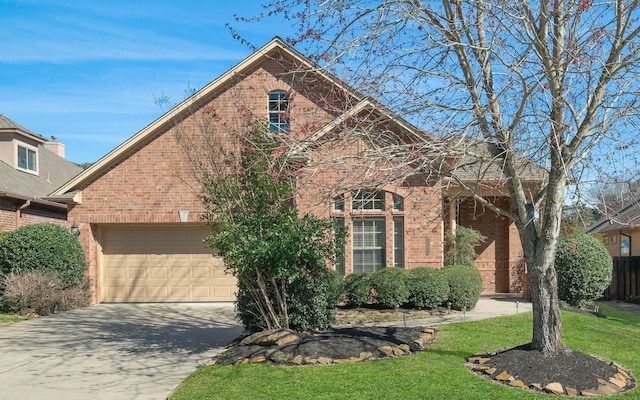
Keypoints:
(368, 244)
(367, 200)
(398, 242)
(279, 121)
(27, 159)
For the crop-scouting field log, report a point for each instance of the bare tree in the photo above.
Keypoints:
(502, 86)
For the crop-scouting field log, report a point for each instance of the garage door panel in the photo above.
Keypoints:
(167, 263)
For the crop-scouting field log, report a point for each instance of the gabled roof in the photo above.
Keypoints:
(275, 46)
(53, 169)
(627, 218)
(7, 125)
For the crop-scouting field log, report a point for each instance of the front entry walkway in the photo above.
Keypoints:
(112, 351)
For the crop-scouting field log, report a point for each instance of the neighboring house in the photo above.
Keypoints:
(31, 167)
(620, 231)
(140, 216)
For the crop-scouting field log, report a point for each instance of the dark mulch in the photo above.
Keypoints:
(571, 368)
(335, 343)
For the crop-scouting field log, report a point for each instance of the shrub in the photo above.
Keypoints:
(390, 286)
(461, 246)
(428, 288)
(465, 285)
(335, 288)
(44, 247)
(584, 269)
(42, 293)
(357, 288)
(312, 300)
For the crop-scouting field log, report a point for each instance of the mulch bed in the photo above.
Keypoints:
(571, 373)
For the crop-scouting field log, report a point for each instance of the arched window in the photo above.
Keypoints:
(279, 120)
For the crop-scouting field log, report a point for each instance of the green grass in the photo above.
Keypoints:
(8, 319)
(438, 373)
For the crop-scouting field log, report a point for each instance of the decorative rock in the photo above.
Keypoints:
(297, 360)
(589, 393)
(618, 382)
(607, 390)
(518, 383)
(258, 359)
(310, 361)
(324, 360)
(479, 368)
(365, 355)
(387, 350)
(571, 391)
(504, 376)
(536, 386)
(555, 388)
(405, 348)
(621, 375)
(280, 357)
(398, 351)
(490, 371)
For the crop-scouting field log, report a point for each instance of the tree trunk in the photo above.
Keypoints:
(540, 252)
(547, 323)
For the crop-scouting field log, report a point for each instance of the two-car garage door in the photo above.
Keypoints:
(161, 264)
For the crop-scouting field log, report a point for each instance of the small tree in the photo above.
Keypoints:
(461, 246)
(279, 258)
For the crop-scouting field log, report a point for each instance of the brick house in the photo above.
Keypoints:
(140, 217)
(31, 167)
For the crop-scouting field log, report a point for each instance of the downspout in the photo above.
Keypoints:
(19, 212)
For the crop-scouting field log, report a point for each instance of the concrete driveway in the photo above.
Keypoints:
(111, 351)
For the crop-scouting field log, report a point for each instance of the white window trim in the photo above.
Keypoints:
(28, 148)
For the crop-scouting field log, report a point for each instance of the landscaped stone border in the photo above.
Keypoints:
(622, 381)
(279, 347)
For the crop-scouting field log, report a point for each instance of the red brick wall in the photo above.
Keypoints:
(11, 218)
(500, 256)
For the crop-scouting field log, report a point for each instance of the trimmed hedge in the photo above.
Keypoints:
(357, 289)
(584, 269)
(428, 288)
(465, 285)
(390, 286)
(44, 247)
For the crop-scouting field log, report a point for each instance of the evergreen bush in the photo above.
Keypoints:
(584, 268)
(44, 247)
(428, 288)
(390, 286)
(357, 288)
(465, 286)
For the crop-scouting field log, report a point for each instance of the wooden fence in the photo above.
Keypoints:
(626, 278)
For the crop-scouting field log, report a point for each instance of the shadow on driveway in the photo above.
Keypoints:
(112, 351)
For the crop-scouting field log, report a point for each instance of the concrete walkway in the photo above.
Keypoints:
(111, 351)
(487, 307)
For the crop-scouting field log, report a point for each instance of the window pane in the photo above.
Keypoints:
(31, 160)
(338, 223)
(368, 245)
(338, 203)
(367, 200)
(22, 157)
(279, 112)
(398, 242)
(398, 203)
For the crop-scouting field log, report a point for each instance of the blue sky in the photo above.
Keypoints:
(89, 71)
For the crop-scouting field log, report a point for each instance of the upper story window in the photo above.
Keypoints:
(398, 203)
(279, 120)
(365, 200)
(27, 159)
(338, 203)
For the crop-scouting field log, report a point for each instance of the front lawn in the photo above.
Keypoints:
(438, 373)
(8, 319)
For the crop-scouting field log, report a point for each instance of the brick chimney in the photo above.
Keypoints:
(55, 146)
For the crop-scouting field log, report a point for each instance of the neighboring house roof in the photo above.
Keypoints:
(627, 218)
(68, 193)
(53, 170)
